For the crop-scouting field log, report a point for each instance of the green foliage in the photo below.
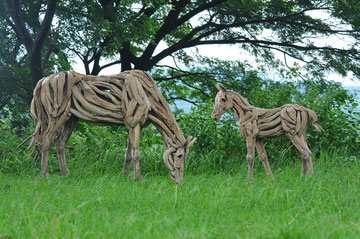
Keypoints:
(12, 160)
(218, 147)
(15, 92)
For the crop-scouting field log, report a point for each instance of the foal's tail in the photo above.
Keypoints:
(314, 118)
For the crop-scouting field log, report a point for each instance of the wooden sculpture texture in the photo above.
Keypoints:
(130, 98)
(256, 123)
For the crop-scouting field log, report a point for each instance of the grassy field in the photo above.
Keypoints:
(219, 205)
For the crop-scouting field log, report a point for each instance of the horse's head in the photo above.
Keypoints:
(223, 103)
(175, 158)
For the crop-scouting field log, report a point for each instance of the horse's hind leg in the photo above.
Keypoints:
(263, 157)
(305, 153)
(60, 143)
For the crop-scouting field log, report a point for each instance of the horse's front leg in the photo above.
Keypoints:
(128, 158)
(250, 145)
(60, 143)
(134, 138)
(45, 149)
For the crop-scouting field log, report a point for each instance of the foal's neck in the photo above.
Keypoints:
(240, 105)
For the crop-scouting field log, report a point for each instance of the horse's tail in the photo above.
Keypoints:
(48, 105)
(38, 113)
(314, 118)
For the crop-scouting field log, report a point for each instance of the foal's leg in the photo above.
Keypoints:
(134, 134)
(263, 157)
(60, 143)
(127, 161)
(305, 153)
(250, 145)
(309, 163)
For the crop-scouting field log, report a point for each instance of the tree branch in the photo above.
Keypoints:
(172, 22)
(45, 25)
(13, 7)
(160, 79)
(183, 99)
(48, 53)
(110, 64)
(188, 41)
(262, 43)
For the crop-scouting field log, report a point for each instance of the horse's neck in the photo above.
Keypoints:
(240, 106)
(163, 119)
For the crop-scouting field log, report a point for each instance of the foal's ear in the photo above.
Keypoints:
(221, 88)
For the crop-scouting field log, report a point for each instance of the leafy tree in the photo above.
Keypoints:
(24, 19)
(28, 50)
(132, 33)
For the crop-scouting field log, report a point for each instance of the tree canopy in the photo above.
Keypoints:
(40, 37)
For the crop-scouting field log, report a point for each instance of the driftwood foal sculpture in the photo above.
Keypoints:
(130, 98)
(256, 123)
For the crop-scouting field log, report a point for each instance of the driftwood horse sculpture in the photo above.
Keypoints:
(130, 98)
(256, 123)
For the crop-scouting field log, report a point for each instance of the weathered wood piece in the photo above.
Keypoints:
(130, 98)
(256, 123)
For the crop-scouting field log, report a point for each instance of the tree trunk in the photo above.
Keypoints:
(35, 67)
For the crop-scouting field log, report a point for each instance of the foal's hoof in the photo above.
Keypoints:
(126, 174)
(44, 172)
(307, 174)
(140, 180)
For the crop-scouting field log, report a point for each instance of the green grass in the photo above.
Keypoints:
(105, 205)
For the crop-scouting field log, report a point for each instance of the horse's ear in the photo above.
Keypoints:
(190, 142)
(222, 88)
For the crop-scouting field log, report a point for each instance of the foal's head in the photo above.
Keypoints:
(223, 103)
(175, 158)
